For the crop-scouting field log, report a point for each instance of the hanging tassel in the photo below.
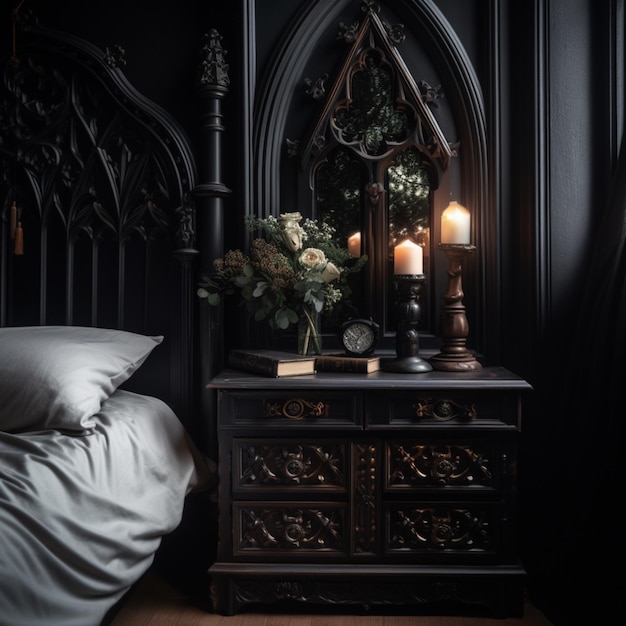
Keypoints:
(19, 235)
(19, 240)
(13, 219)
(15, 62)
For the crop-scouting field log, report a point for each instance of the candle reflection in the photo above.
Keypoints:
(408, 258)
(354, 244)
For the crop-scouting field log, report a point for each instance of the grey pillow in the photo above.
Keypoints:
(57, 377)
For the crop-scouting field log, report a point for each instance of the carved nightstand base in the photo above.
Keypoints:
(496, 592)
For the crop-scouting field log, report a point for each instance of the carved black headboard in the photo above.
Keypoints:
(97, 180)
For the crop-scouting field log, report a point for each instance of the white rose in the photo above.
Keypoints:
(288, 220)
(312, 257)
(292, 237)
(330, 272)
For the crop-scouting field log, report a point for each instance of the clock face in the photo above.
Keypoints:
(359, 337)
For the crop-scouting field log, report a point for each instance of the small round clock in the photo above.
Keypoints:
(359, 337)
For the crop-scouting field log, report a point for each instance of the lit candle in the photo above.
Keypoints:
(408, 258)
(354, 244)
(455, 224)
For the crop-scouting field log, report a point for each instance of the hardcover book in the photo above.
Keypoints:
(271, 362)
(347, 364)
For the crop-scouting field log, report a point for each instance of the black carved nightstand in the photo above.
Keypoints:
(379, 490)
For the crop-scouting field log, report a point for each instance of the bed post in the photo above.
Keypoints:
(212, 84)
(186, 255)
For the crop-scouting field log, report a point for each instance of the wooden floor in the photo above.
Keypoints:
(154, 602)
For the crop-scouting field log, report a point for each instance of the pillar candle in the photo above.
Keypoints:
(408, 258)
(455, 224)
(354, 244)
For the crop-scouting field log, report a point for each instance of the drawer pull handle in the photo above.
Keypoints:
(296, 409)
(444, 410)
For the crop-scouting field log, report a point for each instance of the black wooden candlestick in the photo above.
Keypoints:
(407, 311)
(454, 356)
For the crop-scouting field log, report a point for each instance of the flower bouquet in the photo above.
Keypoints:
(294, 272)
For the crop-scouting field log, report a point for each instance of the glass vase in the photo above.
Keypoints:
(309, 335)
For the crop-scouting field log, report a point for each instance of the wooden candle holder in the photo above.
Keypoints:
(454, 355)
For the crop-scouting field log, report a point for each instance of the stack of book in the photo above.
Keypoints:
(274, 363)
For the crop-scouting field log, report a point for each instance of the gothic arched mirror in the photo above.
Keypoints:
(374, 157)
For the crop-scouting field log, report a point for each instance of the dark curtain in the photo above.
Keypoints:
(577, 529)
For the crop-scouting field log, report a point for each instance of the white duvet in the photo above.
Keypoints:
(82, 516)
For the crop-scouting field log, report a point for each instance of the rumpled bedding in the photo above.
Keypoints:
(82, 516)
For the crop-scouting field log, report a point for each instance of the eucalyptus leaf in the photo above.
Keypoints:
(282, 319)
(291, 315)
(260, 289)
(242, 281)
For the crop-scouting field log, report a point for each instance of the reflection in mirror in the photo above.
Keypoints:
(373, 117)
(339, 181)
(409, 199)
(401, 207)
(408, 210)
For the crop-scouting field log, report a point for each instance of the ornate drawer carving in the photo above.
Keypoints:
(266, 529)
(431, 465)
(291, 408)
(263, 464)
(365, 589)
(441, 530)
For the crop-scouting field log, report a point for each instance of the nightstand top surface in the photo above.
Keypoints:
(487, 378)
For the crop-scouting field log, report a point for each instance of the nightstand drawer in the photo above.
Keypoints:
(452, 408)
(291, 409)
(268, 529)
(465, 465)
(436, 532)
(271, 466)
